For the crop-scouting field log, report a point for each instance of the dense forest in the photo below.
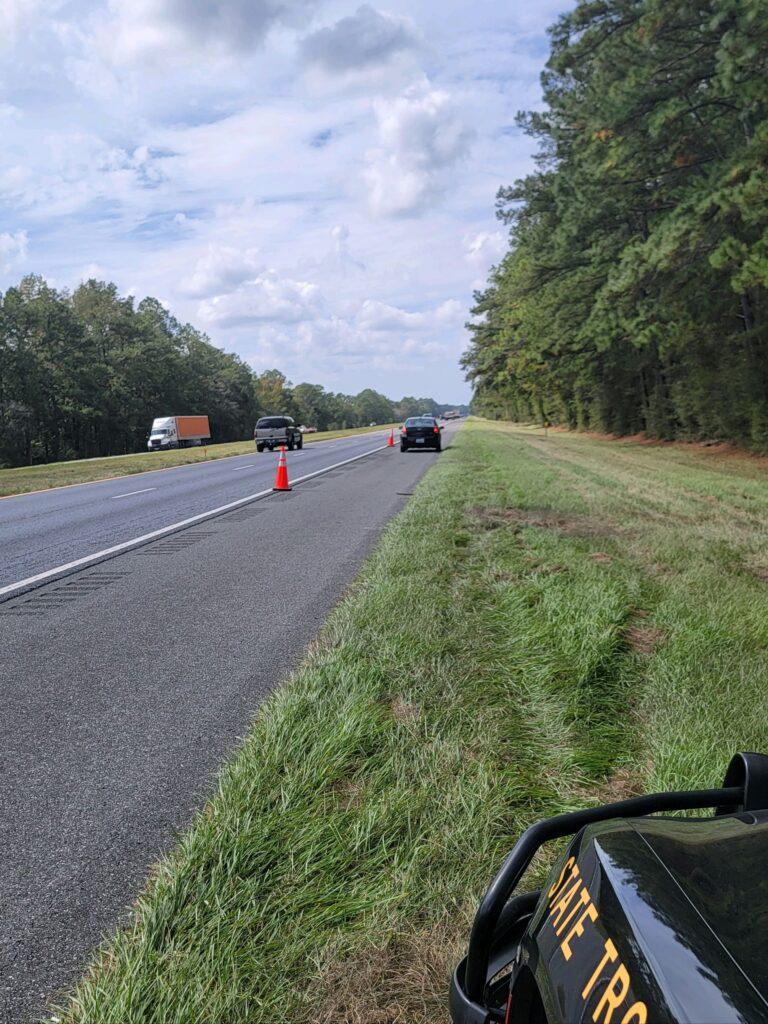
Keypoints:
(84, 374)
(633, 296)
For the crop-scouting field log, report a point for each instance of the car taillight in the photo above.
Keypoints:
(403, 430)
(437, 430)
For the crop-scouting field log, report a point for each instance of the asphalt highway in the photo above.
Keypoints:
(126, 684)
(46, 529)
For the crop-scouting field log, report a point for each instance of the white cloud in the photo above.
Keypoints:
(267, 297)
(139, 165)
(484, 249)
(421, 135)
(450, 312)
(329, 347)
(156, 28)
(13, 249)
(364, 39)
(340, 234)
(220, 270)
(93, 272)
(13, 179)
(380, 316)
(415, 346)
(18, 16)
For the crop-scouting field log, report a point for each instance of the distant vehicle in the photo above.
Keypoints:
(308, 430)
(420, 432)
(275, 431)
(451, 414)
(178, 432)
(643, 917)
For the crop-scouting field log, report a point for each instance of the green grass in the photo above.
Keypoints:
(61, 474)
(549, 622)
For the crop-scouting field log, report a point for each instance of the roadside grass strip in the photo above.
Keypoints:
(548, 623)
(25, 479)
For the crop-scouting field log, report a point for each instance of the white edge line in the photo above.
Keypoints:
(127, 494)
(136, 541)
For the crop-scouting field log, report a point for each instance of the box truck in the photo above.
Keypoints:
(178, 432)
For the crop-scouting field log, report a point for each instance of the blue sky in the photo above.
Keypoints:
(312, 183)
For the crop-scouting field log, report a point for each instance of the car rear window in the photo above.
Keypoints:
(420, 421)
(271, 421)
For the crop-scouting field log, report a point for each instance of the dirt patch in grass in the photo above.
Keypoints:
(644, 639)
(760, 572)
(402, 981)
(573, 525)
(348, 793)
(658, 569)
(503, 576)
(602, 558)
(404, 711)
(621, 784)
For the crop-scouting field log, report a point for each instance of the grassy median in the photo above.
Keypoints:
(24, 479)
(549, 622)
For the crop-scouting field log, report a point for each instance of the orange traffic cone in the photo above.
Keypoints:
(391, 439)
(281, 478)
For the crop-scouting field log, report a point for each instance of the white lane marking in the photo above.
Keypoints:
(247, 466)
(129, 493)
(199, 518)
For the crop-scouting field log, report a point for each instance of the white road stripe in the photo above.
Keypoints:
(247, 466)
(129, 493)
(201, 517)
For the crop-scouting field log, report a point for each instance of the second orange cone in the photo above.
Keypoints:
(281, 478)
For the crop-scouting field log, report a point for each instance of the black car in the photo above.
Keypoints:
(644, 919)
(420, 432)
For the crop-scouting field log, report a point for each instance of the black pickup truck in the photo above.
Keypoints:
(275, 432)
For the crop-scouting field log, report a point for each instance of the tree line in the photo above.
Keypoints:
(83, 374)
(633, 294)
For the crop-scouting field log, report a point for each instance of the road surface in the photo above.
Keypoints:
(50, 528)
(125, 685)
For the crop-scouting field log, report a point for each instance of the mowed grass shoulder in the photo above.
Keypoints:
(24, 479)
(549, 622)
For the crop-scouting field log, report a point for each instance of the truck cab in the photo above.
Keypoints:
(276, 432)
(162, 436)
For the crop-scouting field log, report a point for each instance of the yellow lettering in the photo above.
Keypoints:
(611, 954)
(614, 995)
(583, 900)
(578, 928)
(567, 868)
(637, 1014)
(558, 910)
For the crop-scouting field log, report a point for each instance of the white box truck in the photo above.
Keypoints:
(178, 432)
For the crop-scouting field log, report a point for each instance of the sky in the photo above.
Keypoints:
(311, 183)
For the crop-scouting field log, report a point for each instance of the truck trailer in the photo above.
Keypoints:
(178, 432)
